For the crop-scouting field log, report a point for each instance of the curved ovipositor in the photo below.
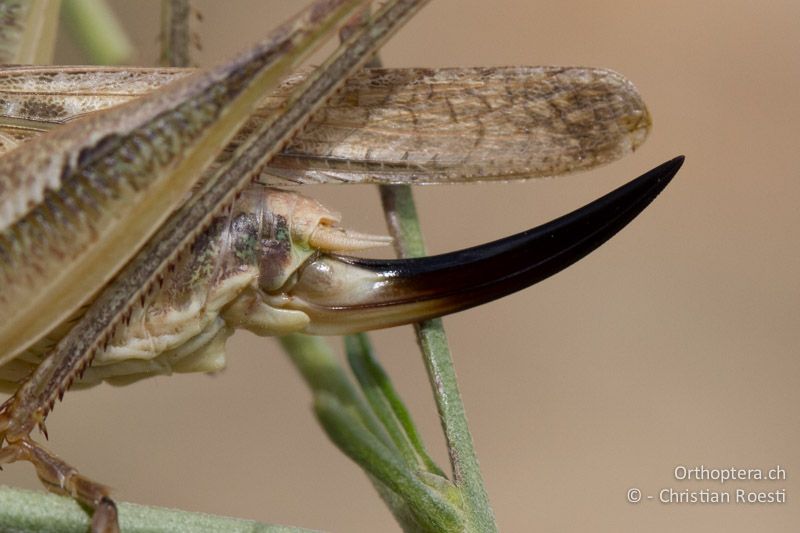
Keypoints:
(343, 294)
(274, 266)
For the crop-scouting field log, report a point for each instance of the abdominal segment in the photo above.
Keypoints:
(182, 325)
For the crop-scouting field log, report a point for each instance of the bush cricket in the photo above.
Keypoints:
(134, 211)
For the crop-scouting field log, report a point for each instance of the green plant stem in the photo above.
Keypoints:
(355, 429)
(401, 217)
(386, 403)
(28, 511)
(430, 509)
(97, 31)
(315, 361)
(374, 394)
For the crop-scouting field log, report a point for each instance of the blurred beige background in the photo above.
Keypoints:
(676, 343)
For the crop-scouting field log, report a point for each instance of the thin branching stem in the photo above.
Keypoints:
(404, 226)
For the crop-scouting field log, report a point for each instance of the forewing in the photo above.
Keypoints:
(475, 124)
(389, 125)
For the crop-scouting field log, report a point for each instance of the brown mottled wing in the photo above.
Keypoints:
(36, 99)
(389, 125)
(447, 125)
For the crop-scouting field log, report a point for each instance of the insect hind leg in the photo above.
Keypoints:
(61, 478)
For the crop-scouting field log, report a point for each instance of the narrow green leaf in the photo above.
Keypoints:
(382, 395)
(316, 362)
(431, 510)
(372, 389)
